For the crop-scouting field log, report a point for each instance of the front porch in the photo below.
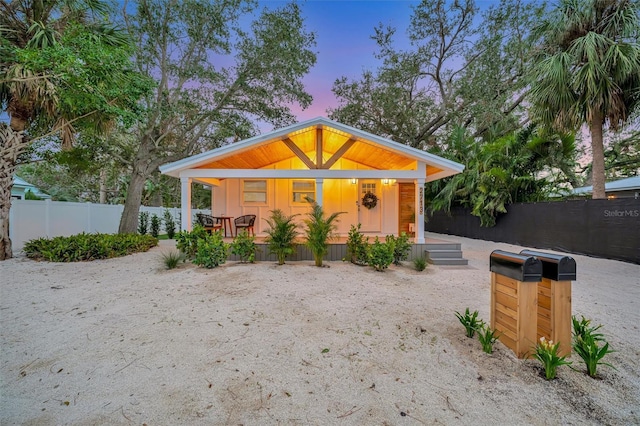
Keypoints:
(436, 250)
(372, 181)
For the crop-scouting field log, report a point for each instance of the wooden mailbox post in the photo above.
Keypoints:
(554, 298)
(514, 300)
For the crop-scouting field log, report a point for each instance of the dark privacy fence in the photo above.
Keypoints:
(601, 228)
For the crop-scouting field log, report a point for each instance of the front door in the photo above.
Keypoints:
(369, 218)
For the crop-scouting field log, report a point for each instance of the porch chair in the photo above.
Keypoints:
(245, 222)
(209, 223)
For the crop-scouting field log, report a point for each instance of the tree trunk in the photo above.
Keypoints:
(129, 219)
(597, 151)
(12, 144)
(144, 164)
(103, 186)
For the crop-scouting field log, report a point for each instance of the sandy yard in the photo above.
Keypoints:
(123, 341)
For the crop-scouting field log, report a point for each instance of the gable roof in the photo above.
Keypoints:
(308, 138)
(627, 184)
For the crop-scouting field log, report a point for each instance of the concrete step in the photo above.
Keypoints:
(443, 246)
(462, 262)
(444, 254)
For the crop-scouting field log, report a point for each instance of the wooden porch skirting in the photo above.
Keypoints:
(337, 251)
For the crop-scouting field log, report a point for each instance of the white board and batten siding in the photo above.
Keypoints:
(340, 195)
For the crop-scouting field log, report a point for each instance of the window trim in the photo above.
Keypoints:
(291, 192)
(254, 203)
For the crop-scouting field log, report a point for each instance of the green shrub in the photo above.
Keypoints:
(470, 321)
(380, 255)
(357, 246)
(84, 246)
(244, 246)
(211, 251)
(29, 195)
(143, 223)
(586, 343)
(420, 263)
(187, 242)
(169, 224)
(319, 230)
(401, 247)
(281, 234)
(155, 226)
(172, 258)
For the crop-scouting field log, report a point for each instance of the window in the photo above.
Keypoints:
(303, 191)
(254, 191)
(368, 187)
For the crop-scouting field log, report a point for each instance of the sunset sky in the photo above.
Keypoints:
(344, 45)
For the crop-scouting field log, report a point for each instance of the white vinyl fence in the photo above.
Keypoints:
(30, 219)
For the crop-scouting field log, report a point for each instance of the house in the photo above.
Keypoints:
(21, 187)
(375, 181)
(623, 188)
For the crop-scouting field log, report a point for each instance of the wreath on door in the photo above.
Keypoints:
(369, 200)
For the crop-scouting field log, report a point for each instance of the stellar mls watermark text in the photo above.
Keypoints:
(622, 213)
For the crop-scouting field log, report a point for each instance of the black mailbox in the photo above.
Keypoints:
(517, 266)
(554, 266)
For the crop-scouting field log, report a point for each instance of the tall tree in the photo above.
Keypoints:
(463, 69)
(53, 79)
(215, 78)
(589, 71)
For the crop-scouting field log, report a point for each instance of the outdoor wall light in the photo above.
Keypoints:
(385, 181)
(353, 181)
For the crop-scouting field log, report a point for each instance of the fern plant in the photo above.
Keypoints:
(281, 234)
(319, 230)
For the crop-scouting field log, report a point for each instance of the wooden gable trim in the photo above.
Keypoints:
(298, 152)
(339, 153)
(319, 148)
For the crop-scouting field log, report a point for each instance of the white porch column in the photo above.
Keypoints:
(419, 208)
(319, 183)
(185, 203)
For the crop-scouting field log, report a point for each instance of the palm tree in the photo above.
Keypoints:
(281, 234)
(53, 79)
(589, 71)
(319, 230)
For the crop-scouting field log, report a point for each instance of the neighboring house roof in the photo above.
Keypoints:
(20, 186)
(308, 140)
(627, 184)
